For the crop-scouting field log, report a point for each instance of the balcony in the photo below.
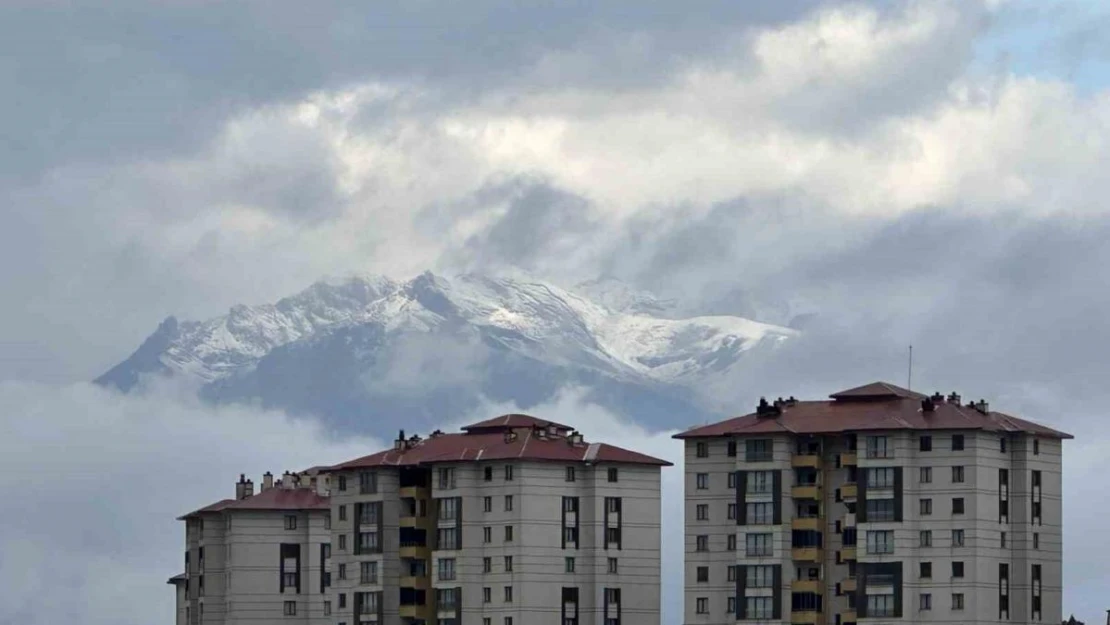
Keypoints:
(807, 585)
(849, 491)
(848, 586)
(416, 552)
(847, 554)
(417, 582)
(812, 523)
(849, 459)
(806, 491)
(806, 554)
(414, 492)
(809, 617)
(414, 611)
(802, 461)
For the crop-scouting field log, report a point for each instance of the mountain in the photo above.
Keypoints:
(364, 351)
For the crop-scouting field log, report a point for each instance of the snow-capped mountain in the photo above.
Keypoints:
(348, 349)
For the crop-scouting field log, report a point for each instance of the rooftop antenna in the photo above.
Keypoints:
(909, 375)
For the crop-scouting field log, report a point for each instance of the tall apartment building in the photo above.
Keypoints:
(879, 505)
(513, 521)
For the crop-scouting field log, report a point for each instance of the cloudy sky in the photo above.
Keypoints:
(917, 172)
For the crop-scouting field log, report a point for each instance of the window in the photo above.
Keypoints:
(957, 475)
(957, 505)
(759, 607)
(926, 507)
(757, 450)
(880, 477)
(487, 504)
(730, 573)
(508, 533)
(1037, 512)
(290, 608)
(487, 564)
(881, 541)
(368, 542)
(730, 607)
(759, 576)
(448, 508)
(342, 573)
(508, 594)
(732, 480)
(342, 542)
(327, 521)
(926, 538)
(760, 513)
(757, 545)
(1036, 540)
(926, 443)
(703, 512)
(731, 542)
(327, 608)
(703, 574)
(487, 534)
(612, 566)
(368, 573)
(926, 570)
(759, 482)
(568, 564)
(880, 606)
(1036, 447)
(879, 510)
(926, 601)
(702, 449)
(342, 513)
(957, 569)
(1036, 479)
(342, 600)
(732, 449)
(342, 482)
(447, 478)
(508, 564)
(925, 475)
(731, 512)
(570, 535)
(570, 474)
(445, 569)
(1003, 540)
(957, 601)
(957, 442)
(487, 595)
(1002, 445)
(290, 522)
(367, 482)
(612, 474)
(702, 480)
(702, 542)
(508, 503)
(703, 605)
(487, 474)
(957, 538)
(508, 473)
(878, 447)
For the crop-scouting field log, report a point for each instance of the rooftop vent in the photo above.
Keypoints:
(928, 405)
(938, 398)
(954, 398)
(791, 401)
(510, 436)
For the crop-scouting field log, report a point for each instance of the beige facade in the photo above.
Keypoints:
(872, 525)
(521, 523)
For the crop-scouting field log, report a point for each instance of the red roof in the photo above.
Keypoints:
(276, 498)
(527, 445)
(877, 406)
(512, 421)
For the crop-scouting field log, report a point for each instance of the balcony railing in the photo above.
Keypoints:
(849, 459)
(806, 523)
(849, 491)
(812, 461)
(806, 554)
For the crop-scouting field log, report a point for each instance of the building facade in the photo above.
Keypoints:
(878, 504)
(513, 521)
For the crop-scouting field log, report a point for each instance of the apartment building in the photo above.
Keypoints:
(878, 505)
(512, 521)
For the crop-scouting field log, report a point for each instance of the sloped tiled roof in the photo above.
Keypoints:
(510, 421)
(276, 498)
(869, 408)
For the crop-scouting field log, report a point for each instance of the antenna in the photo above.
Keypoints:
(909, 375)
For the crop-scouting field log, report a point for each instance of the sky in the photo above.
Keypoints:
(920, 173)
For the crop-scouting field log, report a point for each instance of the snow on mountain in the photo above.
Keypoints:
(315, 351)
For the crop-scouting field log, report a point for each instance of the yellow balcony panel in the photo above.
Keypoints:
(808, 491)
(812, 461)
(415, 492)
(415, 521)
(806, 554)
(806, 585)
(810, 617)
(848, 616)
(848, 554)
(849, 491)
(848, 585)
(849, 459)
(420, 583)
(418, 552)
(415, 611)
(806, 523)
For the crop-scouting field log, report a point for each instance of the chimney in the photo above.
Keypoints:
(954, 398)
(983, 406)
(248, 489)
(323, 485)
(927, 405)
(938, 398)
(399, 444)
(287, 480)
(267, 481)
(510, 436)
(241, 487)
